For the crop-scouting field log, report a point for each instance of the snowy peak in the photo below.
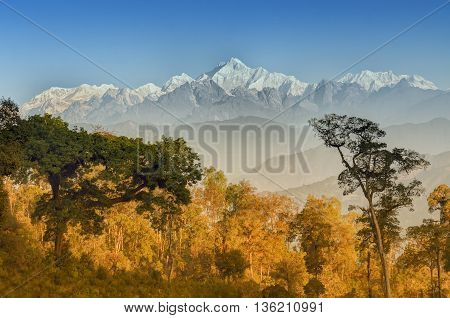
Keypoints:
(148, 89)
(231, 74)
(235, 73)
(176, 81)
(419, 82)
(373, 81)
(56, 99)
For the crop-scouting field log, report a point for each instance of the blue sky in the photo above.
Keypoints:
(149, 41)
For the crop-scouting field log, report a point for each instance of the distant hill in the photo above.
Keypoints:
(431, 137)
(438, 173)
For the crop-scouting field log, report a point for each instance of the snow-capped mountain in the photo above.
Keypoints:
(373, 81)
(176, 81)
(234, 89)
(235, 74)
(56, 100)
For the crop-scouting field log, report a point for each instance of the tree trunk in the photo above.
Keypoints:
(169, 259)
(260, 273)
(55, 184)
(5, 203)
(369, 286)
(251, 265)
(380, 248)
(438, 265)
(431, 280)
(58, 243)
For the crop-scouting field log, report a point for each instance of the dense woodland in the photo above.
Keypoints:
(97, 215)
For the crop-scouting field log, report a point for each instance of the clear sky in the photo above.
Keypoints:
(149, 41)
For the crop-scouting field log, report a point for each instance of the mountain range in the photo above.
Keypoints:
(233, 89)
(414, 113)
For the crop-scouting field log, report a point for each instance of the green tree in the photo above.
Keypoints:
(387, 209)
(10, 150)
(370, 166)
(158, 176)
(87, 172)
(57, 153)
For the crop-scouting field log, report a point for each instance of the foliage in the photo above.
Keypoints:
(231, 264)
(129, 219)
(372, 168)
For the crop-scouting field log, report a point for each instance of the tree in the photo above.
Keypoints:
(429, 241)
(424, 249)
(88, 172)
(231, 264)
(57, 153)
(313, 230)
(9, 115)
(387, 211)
(136, 169)
(327, 241)
(370, 167)
(314, 288)
(291, 273)
(213, 198)
(158, 176)
(439, 200)
(10, 151)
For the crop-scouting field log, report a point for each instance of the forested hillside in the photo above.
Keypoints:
(98, 215)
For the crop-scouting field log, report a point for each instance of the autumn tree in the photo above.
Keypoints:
(439, 200)
(126, 242)
(312, 229)
(214, 202)
(369, 166)
(327, 240)
(257, 224)
(427, 242)
(291, 273)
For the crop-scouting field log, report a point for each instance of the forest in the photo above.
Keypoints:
(91, 214)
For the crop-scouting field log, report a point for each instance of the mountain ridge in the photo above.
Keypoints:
(229, 90)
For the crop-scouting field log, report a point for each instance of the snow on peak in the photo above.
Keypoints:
(148, 90)
(235, 73)
(419, 82)
(86, 91)
(176, 81)
(55, 100)
(202, 77)
(233, 76)
(233, 62)
(373, 81)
